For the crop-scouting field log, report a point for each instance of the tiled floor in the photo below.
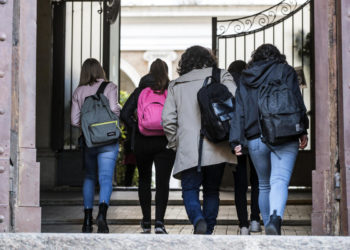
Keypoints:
(173, 229)
(292, 212)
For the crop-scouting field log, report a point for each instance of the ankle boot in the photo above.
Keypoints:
(274, 225)
(87, 225)
(101, 219)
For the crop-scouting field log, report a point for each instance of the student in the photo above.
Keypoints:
(151, 148)
(273, 163)
(98, 160)
(182, 125)
(240, 176)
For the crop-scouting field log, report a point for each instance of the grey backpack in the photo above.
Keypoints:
(99, 124)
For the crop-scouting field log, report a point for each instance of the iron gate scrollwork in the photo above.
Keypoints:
(257, 22)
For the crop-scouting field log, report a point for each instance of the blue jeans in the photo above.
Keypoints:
(101, 161)
(274, 174)
(210, 177)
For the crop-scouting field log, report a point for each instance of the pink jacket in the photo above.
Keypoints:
(80, 93)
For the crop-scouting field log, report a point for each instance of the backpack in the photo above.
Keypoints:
(280, 113)
(216, 105)
(99, 124)
(149, 112)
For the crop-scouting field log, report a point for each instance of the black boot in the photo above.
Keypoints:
(274, 225)
(101, 219)
(87, 226)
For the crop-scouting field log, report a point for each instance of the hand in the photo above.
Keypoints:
(238, 150)
(303, 141)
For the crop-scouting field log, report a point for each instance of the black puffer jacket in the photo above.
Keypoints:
(127, 114)
(245, 126)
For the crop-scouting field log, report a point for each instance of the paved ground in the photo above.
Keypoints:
(62, 212)
(292, 212)
(173, 229)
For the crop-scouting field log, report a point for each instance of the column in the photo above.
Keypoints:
(324, 205)
(168, 56)
(344, 116)
(6, 13)
(26, 210)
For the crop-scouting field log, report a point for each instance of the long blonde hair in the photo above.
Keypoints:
(90, 72)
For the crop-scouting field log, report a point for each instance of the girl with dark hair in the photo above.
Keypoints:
(98, 161)
(273, 163)
(150, 148)
(240, 176)
(182, 125)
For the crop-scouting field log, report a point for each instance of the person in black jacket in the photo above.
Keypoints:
(149, 149)
(240, 176)
(273, 163)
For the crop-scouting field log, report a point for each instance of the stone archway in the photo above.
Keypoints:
(130, 72)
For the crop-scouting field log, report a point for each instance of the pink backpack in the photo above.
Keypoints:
(149, 112)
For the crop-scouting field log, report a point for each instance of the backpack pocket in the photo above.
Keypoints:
(104, 132)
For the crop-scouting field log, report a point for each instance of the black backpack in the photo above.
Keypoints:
(280, 113)
(216, 104)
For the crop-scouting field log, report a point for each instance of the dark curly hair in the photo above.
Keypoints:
(267, 52)
(196, 57)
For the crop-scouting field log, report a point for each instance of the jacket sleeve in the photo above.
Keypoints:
(75, 111)
(293, 83)
(237, 123)
(169, 118)
(128, 111)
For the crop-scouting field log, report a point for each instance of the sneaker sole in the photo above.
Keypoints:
(159, 231)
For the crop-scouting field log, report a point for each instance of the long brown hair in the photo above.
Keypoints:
(91, 71)
(159, 71)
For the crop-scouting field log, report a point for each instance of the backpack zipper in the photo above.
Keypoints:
(104, 123)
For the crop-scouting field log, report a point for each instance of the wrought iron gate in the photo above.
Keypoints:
(82, 29)
(287, 25)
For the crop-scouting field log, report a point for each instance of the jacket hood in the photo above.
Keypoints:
(147, 81)
(256, 74)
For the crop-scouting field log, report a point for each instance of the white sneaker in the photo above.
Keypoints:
(244, 231)
(255, 226)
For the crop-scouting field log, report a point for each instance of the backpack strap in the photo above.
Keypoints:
(200, 149)
(102, 88)
(216, 74)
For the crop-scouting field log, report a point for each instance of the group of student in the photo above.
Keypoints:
(164, 121)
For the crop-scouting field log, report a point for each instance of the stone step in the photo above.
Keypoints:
(175, 215)
(130, 198)
(172, 241)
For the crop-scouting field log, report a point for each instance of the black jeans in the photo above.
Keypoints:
(149, 149)
(241, 187)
